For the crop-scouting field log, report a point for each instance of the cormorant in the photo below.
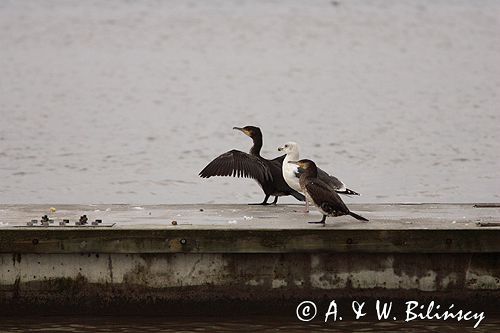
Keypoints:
(321, 194)
(292, 178)
(266, 172)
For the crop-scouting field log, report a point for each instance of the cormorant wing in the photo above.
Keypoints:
(325, 197)
(236, 163)
(279, 159)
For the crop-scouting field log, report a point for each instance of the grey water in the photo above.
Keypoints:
(213, 324)
(125, 102)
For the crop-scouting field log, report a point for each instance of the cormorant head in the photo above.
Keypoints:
(304, 166)
(251, 131)
(290, 148)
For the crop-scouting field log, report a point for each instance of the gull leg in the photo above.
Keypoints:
(306, 209)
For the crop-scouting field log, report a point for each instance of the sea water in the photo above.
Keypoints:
(125, 102)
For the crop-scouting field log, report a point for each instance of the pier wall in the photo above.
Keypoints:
(171, 282)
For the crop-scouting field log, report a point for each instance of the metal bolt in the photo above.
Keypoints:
(96, 222)
(35, 241)
(183, 241)
(349, 241)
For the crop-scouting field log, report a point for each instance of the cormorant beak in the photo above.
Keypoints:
(294, 162)
(242, 130)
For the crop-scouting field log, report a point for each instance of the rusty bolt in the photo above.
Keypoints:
(349, 241)
(174, 222)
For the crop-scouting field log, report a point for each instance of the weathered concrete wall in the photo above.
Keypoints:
(159, 283)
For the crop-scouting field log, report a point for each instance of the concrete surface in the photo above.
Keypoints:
(200, 216)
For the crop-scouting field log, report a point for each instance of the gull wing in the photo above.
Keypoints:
(335, 183)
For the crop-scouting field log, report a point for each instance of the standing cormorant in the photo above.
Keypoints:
(292, 178)
(321, 194)
(266, 172)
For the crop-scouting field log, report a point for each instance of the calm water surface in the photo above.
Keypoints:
(248, 324)
(125, 102)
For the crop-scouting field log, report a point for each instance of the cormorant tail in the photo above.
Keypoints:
(358, 217)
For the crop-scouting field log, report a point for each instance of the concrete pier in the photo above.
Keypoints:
(188, 259)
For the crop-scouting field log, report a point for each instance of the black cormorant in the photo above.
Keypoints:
(266, 172)
(321, 194)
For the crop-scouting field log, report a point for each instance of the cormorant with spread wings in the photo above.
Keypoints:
(266, 172)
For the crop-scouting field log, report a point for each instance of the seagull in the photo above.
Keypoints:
(320, 193)
(291, 175)
(266, 172)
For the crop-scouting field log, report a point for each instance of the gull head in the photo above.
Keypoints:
(290, 148)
